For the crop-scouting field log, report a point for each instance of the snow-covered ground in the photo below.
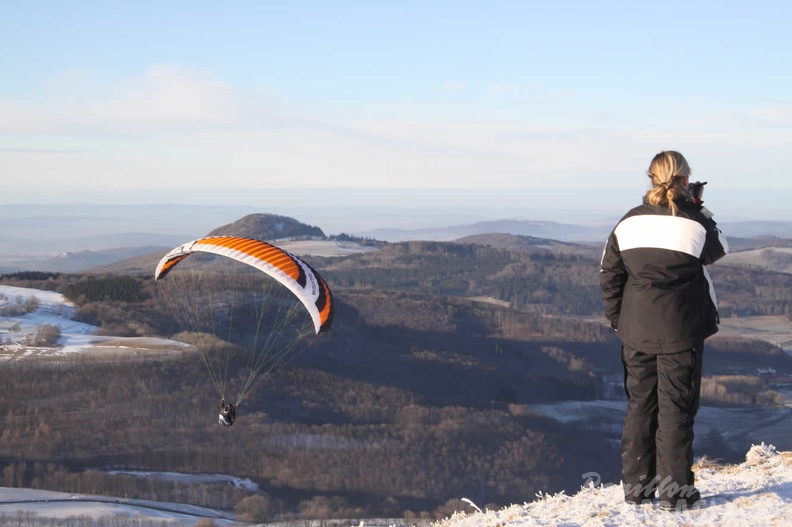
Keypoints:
(240, 483)
(757, 492)
(52, 308)
(737, 425)
(323, 247)
(61, 506)
(76, 337)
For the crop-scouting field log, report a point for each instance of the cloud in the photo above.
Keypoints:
(779, 113)
(55, 151)
(165, 95)
(163, 99)
(502, 88)
(174, 124)
(453, 85)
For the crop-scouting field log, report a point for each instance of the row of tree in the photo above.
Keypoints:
(305, 435)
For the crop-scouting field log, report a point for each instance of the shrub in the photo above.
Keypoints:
(256, 508)
(47, 336)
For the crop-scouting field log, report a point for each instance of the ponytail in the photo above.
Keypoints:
(666, 172)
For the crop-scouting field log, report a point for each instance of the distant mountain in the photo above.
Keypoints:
(289, 233)
(135, 252)
(774, 258)
(540, 229)
(594, 233)
(268, 227)
(532, 244)
(81, 239)
(72, 262)
(766, 252)
(757, 229)
(759, 242)
(34, 234)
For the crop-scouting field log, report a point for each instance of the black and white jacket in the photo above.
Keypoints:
(657, 292)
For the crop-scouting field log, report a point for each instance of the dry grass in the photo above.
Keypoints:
(773, 329)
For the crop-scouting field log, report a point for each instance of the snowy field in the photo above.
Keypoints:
(17, 330)
(775, 329)
(239, 483)
(323, 247)
(737, 425)
(41, 504)
(756, 493)
(51, 308)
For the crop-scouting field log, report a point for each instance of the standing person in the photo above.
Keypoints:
(659, 298)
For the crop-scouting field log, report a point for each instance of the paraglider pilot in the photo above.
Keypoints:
(227, 413)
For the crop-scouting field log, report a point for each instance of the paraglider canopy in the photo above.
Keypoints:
(284, 267)
(244, 306)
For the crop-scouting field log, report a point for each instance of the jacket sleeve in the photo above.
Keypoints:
(613, 276)
(715, 246)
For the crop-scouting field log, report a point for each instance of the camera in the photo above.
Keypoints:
(697, 190)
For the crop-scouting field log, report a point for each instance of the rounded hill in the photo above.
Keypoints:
(265, 226)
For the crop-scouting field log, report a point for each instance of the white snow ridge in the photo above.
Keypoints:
(757, 493)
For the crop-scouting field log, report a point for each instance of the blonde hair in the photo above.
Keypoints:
(666, 170)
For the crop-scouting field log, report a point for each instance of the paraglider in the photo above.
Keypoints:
(244, 304)
(227, 413)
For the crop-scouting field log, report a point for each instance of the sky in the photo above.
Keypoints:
(470, 103)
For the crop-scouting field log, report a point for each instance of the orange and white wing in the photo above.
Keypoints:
(299, 277)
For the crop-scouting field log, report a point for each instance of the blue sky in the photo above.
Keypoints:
(200, 101)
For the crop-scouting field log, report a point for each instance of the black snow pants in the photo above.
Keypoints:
(657, 440)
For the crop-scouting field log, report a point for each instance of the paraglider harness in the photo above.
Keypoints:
(227, 413)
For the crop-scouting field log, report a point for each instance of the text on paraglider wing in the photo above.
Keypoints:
(312, 278)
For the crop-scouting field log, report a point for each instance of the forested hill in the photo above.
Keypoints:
(546, 276)
(532, 244)
(268, 227)
(542, 279)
